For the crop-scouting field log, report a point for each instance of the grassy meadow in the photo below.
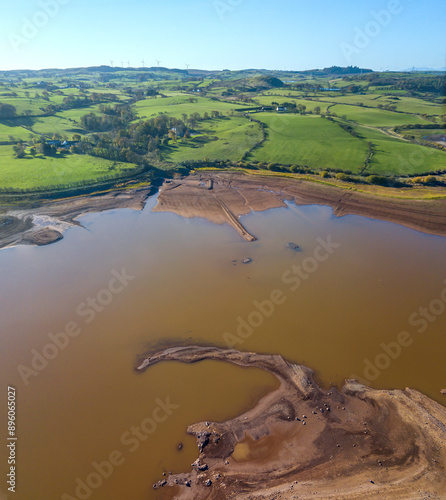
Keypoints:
(310, 140)
(41, 173)
(226, 139)
(163, 119)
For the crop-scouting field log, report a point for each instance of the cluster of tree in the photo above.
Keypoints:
(151, 92)
(7, 110)
(377, 179)
(301, 169)
(338, 70)
(74, 102)
(292, 106)
(432, 84)
(71, 101)
(101, 123)
(129, 143)
(136, 142)
(114, 117)
(424, 126)
(48, 86)
(19, 150)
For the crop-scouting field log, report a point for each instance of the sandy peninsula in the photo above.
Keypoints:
(302, 441)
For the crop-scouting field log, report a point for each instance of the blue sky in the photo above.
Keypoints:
(217, 34)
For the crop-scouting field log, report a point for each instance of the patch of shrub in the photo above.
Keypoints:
(377, 179)
(341, 176)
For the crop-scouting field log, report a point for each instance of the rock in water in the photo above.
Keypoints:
(43, 236)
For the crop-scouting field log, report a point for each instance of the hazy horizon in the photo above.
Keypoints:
(136, 68)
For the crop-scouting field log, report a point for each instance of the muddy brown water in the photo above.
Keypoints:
(131, 279)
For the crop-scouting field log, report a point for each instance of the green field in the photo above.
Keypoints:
(57, 124)
(23, 104)
(403, 104)
(310, 140)
(47, 172)
(180, 104)
(375, 117)
(175, 124)
(9, 128)
(226, 139)
(393, 156)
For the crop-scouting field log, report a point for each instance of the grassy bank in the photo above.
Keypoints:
(47, 173)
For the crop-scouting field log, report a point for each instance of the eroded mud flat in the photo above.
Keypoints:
(220, 198)
(223, 197)
(301, 441)
(46, 223)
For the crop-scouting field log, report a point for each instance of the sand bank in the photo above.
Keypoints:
(302, 441)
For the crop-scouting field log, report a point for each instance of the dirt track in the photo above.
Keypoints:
(301, 441)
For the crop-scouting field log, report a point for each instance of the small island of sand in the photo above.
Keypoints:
(302, 441)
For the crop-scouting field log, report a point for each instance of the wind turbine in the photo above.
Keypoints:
(128, 64)
(142, 63)
(187, 66)
(122, 64)
(111, 63)
(158, 62)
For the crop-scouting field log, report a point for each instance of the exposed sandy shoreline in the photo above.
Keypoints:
(222, 196)
(46, 223)
(301, 441)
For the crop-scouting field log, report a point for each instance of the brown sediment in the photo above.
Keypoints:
(205, 197)
(43, 236)
(222, 198)
(45, 224)
(302, 441)
(241, 193)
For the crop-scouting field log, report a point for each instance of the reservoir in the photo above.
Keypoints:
(359, 298)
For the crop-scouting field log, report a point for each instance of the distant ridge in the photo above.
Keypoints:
(331, 71)
(423, 69)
